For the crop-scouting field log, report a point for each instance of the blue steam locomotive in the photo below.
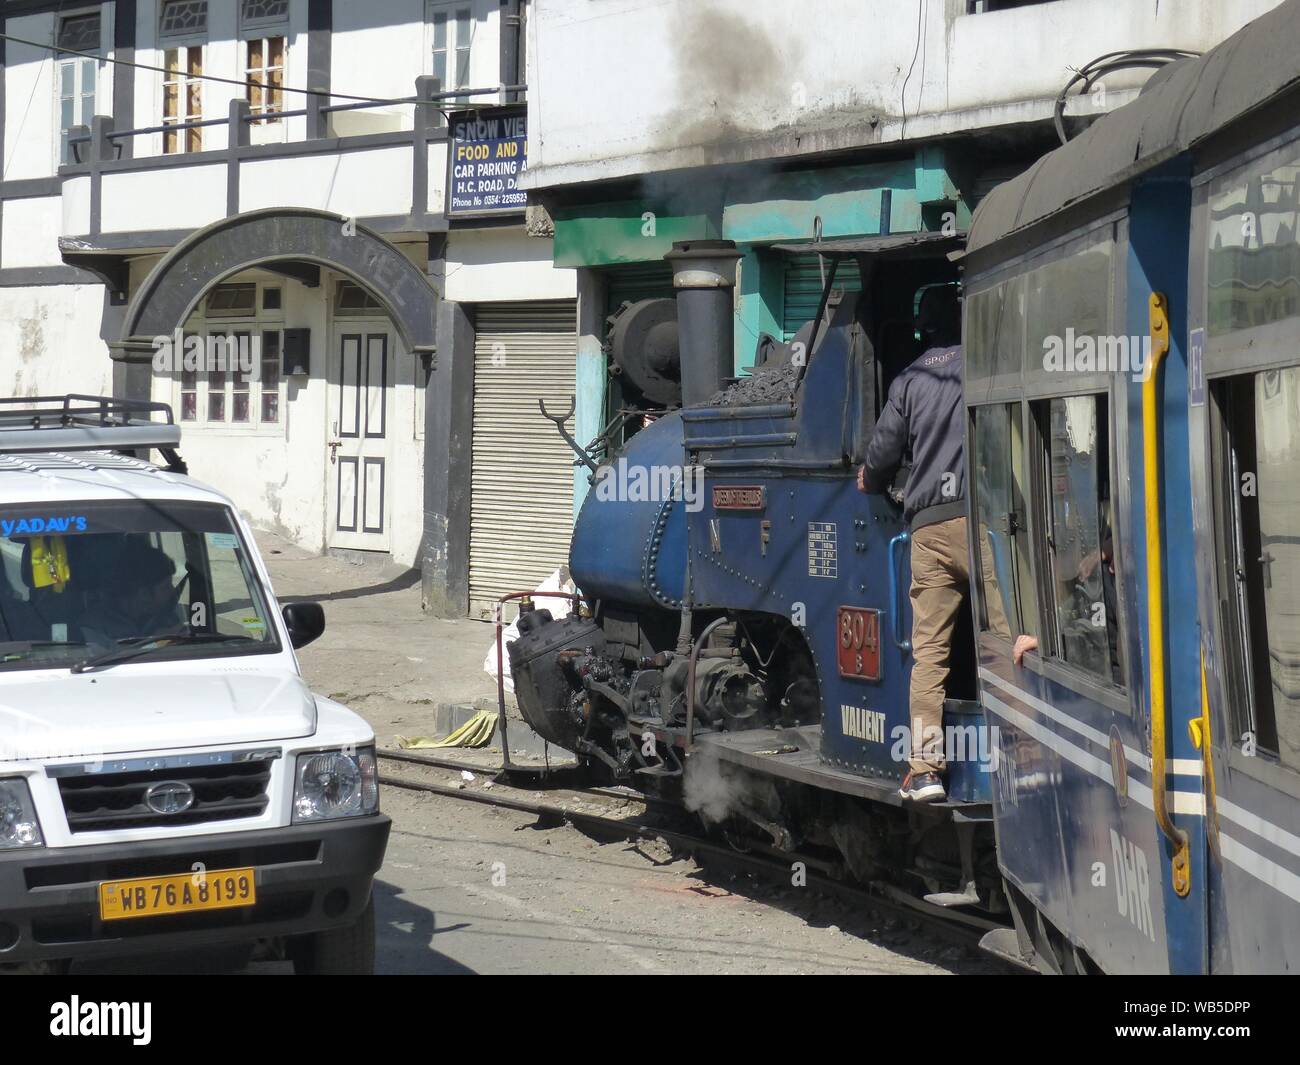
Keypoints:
(1124, 798)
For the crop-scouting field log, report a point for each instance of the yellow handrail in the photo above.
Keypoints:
(1159, 320)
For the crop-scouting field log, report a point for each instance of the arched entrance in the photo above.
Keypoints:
(297, 241)
(339, 326)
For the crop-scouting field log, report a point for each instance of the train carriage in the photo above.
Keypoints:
(1132, 334)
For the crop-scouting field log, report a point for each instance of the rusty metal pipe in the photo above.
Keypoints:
(501, 673)
(690, 678)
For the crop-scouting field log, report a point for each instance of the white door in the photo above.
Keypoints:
(360, 437)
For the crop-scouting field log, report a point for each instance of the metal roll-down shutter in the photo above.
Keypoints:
(637, 281)
(521, 472)
(803, 289)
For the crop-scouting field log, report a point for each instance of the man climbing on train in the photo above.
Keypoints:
(924, 420)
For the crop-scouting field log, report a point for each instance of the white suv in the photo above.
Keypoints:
(167, 779)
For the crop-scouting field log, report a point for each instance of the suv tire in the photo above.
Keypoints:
(347, 951)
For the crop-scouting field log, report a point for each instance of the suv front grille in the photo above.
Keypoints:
(100, 802)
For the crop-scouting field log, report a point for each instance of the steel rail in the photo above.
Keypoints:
(540, 771)
(961, 928)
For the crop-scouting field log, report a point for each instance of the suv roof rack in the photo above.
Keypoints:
(87, 423)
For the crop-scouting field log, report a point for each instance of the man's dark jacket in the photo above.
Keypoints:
(924, 419)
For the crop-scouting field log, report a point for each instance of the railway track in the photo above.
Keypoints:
(557, 774)
(663, 819)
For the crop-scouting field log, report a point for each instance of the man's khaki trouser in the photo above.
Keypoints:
(940, 579)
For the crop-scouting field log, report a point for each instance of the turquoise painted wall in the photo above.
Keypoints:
(759, 294)
(847, 200)
(589, 385)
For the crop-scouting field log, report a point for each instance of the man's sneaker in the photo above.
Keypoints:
(923, 787)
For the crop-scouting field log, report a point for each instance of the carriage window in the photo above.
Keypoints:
(1080, 544)
(995, 332)
(1254, 247)
(1262, 415)
(1008, 604)
(1066, 300)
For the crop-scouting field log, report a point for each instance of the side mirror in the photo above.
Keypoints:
(305, 622)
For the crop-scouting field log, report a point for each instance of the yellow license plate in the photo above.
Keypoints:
(155, 896)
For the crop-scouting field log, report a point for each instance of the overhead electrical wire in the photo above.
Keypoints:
(920, 15)
(1090, 73)
(327, 93)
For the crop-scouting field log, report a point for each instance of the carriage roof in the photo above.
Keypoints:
(1180, 106)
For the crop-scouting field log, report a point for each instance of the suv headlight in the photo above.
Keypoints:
(330, 784)
(19, 825)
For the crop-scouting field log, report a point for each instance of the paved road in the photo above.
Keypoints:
(473, 889)
(469, 888)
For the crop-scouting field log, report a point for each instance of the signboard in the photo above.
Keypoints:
(739, 497)
(823, 553)
(487, 152)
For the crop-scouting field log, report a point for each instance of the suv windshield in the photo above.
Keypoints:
(81, 580)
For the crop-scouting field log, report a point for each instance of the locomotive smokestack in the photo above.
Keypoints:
(704, 274)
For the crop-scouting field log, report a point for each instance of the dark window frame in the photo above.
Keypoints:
(1023, 522)
(354, 300)
(1028, 379)
(221, 301)
(1051, 649)
(1239, 353)
(1238, 599)
(1254, 347)
(196, 7)
(1032, 387)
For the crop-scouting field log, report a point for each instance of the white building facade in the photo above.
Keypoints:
(393, 323)
(772, 124)
(340, 186)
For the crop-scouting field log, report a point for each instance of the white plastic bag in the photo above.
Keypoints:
(558, 581)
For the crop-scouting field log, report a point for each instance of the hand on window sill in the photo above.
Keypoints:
(1023, 645)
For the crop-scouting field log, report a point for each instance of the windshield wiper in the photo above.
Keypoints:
(142, 645)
